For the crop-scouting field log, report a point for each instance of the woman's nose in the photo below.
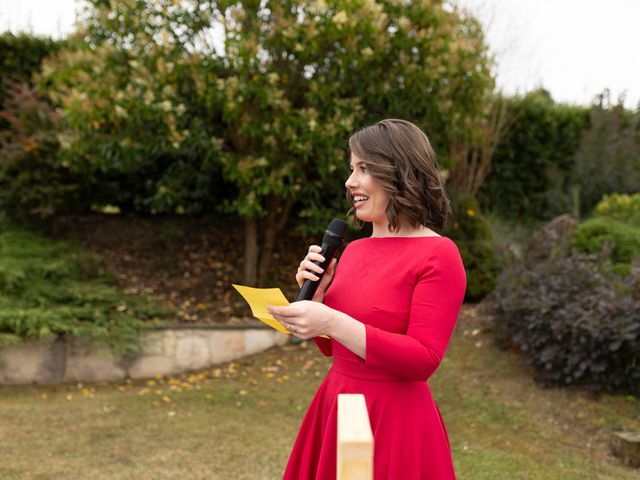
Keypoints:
(351, 181)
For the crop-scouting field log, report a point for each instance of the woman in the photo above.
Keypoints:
(389, 312)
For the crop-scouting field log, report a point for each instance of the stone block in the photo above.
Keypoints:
(30, 362)
(90, 363)
(258, 340)
(281, 338)
(192, 352)
(225, 345)
(148, 367)
(152, 343)
(169, 343)
(626, 446)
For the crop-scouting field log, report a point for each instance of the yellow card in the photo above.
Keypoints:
(259, 298)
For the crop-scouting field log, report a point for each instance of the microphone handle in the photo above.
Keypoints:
(309, 287)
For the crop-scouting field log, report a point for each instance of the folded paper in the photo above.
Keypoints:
(259, 298)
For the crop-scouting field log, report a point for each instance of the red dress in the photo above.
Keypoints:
(408, 292)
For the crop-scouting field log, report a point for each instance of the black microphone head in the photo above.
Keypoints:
(338, 228)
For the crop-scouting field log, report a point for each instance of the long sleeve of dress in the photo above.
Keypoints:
(435, 305)
(324, 344)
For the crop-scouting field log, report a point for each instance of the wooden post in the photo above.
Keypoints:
(355, 439)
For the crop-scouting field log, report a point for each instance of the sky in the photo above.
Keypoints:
(573, 48)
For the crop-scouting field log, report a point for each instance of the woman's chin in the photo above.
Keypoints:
(363, 217)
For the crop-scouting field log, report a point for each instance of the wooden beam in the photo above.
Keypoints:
(355, 439)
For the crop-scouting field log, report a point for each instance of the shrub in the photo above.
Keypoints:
(51, 288)
(575, 320)
(136, 124)
(623, 240)
(473, 236)
(621, 207)
(32, 181)
(573, 316)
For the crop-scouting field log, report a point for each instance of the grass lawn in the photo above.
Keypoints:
(239, 421)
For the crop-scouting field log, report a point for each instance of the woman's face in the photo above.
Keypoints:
(369, 199)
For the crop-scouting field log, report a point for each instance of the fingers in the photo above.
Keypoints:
(308, 270)
(283, 312)
(309, 265)
(303, 275)
(314, 254)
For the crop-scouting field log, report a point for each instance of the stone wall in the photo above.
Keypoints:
(163, 352)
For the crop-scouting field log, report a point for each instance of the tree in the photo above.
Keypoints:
(270, 111)
(137, 120)
(471, 158)
(608, 158)
(303, 75)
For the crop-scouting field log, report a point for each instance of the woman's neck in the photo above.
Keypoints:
(405, 230)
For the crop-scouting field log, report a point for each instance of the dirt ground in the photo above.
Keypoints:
(187, 262)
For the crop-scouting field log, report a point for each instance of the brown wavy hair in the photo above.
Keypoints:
(399, 156)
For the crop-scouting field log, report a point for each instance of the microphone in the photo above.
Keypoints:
(331, 241)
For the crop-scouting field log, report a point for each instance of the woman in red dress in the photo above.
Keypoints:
(390, 312)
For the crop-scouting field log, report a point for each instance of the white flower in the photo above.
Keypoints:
(121, 112)
(340, 18)
(404, 23)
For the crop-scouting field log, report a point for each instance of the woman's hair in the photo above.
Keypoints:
(399, 156)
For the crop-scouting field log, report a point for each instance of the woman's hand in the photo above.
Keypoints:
(307, 267)
(305, 319)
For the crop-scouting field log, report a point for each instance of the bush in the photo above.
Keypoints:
(137, 126)
(473, 236)
(620, 207)
(32, 181)
(623, 240)
(575, 320)
(51, 288)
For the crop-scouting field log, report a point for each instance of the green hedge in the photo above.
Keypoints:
(535, 158)
(21, 56)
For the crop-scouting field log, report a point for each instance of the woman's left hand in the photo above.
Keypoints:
(305, 319)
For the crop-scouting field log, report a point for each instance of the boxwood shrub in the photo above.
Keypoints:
(622, 207)
(623, 240)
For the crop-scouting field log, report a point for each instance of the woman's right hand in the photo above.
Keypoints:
(307, 270)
